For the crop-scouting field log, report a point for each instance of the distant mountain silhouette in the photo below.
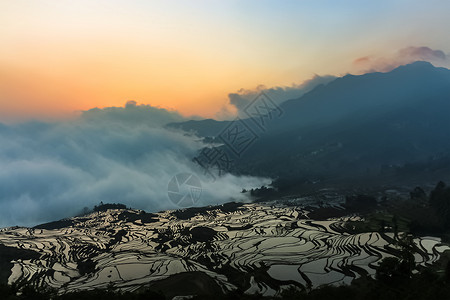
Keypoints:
(203, 128)
(383, 126)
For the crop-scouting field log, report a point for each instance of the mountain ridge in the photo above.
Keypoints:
(354, 126)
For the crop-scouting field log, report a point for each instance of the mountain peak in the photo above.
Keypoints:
(417, 65)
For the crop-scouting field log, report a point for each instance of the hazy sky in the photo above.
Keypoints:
(61, 56)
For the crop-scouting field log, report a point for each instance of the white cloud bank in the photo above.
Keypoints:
(49, 171)
(239, 100)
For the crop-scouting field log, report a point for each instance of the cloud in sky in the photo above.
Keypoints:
(50, 171)
(239, 100)
(132, 113)
(424, 53)
(362, 60)
(401, 57)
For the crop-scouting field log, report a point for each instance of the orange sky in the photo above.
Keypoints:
(57, 57)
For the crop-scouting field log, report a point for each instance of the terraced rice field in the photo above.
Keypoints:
(130, 248)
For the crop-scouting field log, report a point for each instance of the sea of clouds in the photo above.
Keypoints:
(50, 171)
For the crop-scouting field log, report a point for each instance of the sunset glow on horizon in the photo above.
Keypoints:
(59, 57)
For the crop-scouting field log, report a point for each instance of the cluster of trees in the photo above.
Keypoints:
(261, 192)
(428, 214)
(440, 202)
(105, 207)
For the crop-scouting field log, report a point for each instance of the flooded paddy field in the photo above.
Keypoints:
(259, 247)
